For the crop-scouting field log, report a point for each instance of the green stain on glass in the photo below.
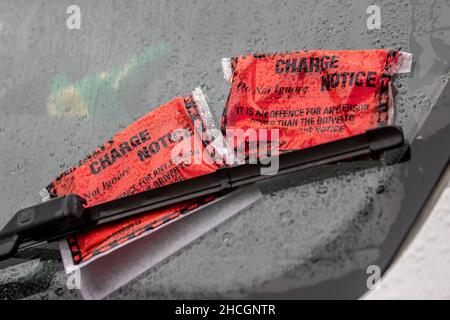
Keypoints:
(97, 95)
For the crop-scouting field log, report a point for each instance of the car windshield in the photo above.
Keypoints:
(64, 91)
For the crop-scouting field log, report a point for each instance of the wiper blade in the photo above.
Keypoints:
(57, 218)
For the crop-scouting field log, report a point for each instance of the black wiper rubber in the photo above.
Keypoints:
(54, 219)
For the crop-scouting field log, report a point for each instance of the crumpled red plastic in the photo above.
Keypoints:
(312, 97)
(136, 159)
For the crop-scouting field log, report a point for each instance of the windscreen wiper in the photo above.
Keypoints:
(59, 217)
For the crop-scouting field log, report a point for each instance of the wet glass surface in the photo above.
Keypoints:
(63, 92)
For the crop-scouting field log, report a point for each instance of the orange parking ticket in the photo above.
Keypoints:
(312, 97)
(136, 159)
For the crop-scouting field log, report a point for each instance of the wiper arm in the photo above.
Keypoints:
(56, 218)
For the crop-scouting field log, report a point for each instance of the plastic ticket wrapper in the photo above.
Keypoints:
(137, 159)
(311, 97)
